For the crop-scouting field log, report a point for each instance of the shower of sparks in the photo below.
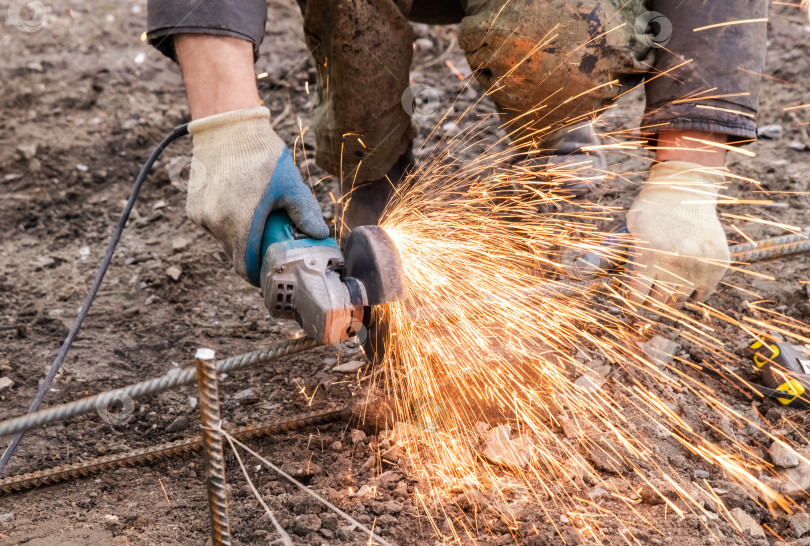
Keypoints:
(497, 346)
(492, 333)
(483, 339)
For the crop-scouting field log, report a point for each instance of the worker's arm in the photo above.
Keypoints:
(241, 169)
(704, 97)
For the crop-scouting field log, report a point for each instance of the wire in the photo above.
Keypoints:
(177, 132)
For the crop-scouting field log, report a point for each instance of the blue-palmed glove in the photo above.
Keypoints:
(240, 172)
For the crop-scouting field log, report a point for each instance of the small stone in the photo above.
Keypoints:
(424, 43)
(192, 401)
(599, 493)
(306, 524)
(799, 524)
(590, 382)
(578, 467)
(300, 471)
(329, 521)
(500, 433)
(451, 129)
(367, 491)
(772, 131)
(701, 474)
(656, 491)
(660, 350)
(386, 520)
(336, 446)
(6, 517)
(112, 521)
(180, 243)
(403, 432)
(174, 272)
(510, 453)
(782, 455)
(795, 481)
(357, 436)
(574, 429)
(796, 145)
(35, 66)
(27, 151)
(179, 424)
(5, 383)
(241, 395)
(747, 523)
(349, 367)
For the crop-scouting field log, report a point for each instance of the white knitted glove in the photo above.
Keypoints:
(680, 247)
(244, 172)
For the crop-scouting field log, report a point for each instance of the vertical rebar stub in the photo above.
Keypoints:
(212, 446)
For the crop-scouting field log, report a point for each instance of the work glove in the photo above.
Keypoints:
(240, 172)
(679, 245)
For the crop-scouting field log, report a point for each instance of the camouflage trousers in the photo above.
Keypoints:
(544, 63)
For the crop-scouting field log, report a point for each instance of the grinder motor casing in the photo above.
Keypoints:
(330, 296)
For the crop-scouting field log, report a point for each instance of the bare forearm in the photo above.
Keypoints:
(692, 146)
(218, 73)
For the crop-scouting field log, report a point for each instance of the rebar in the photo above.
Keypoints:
(210, 422)
(153, 454)
(771, 251)
(773, 241)
(160, 384)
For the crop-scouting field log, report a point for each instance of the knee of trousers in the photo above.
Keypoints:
(554, 63)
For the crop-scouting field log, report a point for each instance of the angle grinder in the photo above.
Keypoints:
(329, 293)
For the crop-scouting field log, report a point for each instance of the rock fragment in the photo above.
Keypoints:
(179, 424)
(515, 454)
(782, 456)
(174, 272)
(799, 524)
(357, 436)
(659, 349)
(5, 383)
(349, 367)
(748, 524)
(302, 470)
(306, 524)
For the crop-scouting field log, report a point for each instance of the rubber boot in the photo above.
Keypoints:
(364, 203)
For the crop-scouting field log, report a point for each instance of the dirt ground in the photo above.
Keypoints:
(83, 101)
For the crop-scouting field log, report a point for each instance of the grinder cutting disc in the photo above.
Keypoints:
(373, 259)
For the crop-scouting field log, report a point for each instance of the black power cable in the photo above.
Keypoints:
(177, 132)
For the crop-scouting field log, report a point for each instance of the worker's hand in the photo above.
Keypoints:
(679, 245)
(241, 171)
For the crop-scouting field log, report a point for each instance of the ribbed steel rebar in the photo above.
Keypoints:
(773, 241)
(152, 454)
(772, 251)
(163, 383)
(208, 390)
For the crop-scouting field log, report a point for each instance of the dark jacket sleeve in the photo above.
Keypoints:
(725, 62)
(242, 19)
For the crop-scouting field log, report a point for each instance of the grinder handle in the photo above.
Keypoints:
(280, 228)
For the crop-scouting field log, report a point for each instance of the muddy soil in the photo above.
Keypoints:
(83, 101)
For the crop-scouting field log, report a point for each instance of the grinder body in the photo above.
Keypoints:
(328, 293)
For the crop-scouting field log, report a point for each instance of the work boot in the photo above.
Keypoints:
(364, 203)
(571, 167)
